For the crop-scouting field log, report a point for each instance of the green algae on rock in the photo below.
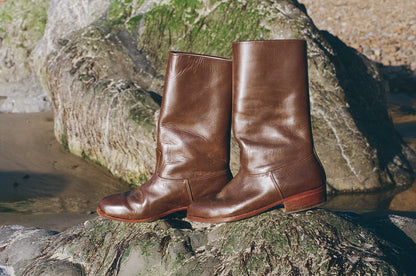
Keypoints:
(189, 26)
(121, 13)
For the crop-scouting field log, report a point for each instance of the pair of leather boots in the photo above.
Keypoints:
(264, 92)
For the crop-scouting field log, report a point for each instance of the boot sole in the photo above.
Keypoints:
(102, 214)
(296, 203)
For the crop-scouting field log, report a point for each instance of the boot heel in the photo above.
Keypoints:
(305, 200)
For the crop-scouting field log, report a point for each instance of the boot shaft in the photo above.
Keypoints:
(270, 119)
(192, 154)
(194, 121)
(271, 103)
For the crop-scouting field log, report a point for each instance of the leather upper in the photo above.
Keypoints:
(192, 155)
(270, 119)
(194, 122)
(270, 103)
(145, 201)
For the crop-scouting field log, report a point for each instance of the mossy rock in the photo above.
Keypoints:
(101, 94)
(125, 52)
(316, 242)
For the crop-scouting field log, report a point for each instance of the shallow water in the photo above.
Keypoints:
(40, 183)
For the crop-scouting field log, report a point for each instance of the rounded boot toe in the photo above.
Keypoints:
(114, 207)
(207, 210)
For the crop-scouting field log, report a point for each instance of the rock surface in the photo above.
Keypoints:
(105, 81)
(18, 245)
(22, 24)
(101, 112)
(313, 242)
(65, 17)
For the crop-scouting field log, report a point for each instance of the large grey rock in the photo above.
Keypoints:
(18, 246)
(22, 23)
(316, 242)
(23, 96)
(64, 18)
(118, 136)
(105, 79)
(100, 111)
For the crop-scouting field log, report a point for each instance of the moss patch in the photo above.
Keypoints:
(64, 142)
(180, 26)
(142, 109)
(88, 158)
(136, 180)
(118, 13)
(121, 14)
(32, 16)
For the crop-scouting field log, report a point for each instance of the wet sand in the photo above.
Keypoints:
(41, 184)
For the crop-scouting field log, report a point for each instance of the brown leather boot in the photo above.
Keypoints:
(193, 141)
(271, 124)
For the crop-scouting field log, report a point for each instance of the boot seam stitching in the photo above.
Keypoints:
(292, 163)
(169, 126)
(276, 186)
(171, 179)
(211, 175)
(159, 159)
(195, 55)
(188, 189)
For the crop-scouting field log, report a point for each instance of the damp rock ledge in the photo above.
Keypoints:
(316, 242)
